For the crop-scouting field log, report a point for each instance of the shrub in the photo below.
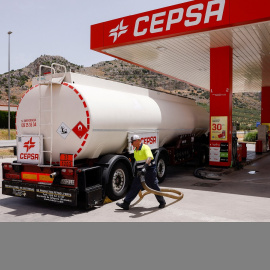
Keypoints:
(4, 119)
(251, 137)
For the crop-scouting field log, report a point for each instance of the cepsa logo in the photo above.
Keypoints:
(28, 145)
(164, 21)
(149, 140)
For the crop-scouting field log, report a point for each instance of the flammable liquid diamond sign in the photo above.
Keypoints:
(80, 129)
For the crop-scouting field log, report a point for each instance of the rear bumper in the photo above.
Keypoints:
(39, 192)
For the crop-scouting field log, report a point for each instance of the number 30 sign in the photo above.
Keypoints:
(219, 128)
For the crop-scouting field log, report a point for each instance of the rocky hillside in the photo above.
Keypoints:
(20, 80)
(130, 74)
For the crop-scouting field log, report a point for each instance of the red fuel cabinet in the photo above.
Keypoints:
(258, 147)
(239, 152)
(244, 150)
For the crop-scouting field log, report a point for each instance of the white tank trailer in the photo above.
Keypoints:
(92, 117)
(89, 123)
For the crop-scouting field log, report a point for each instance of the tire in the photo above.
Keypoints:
(161, 168)
(118, 182)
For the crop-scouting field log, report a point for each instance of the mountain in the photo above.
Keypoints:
(21, 79)
(246, 106)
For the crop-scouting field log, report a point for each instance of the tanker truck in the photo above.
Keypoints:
(74, 137)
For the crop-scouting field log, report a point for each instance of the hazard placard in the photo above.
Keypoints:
(63, 130)
(80, 129)
(67, 160)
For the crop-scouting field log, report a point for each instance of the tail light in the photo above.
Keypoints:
(67, 172)
(9, 173)
(15, 176)
(7, 167)
(67, 177)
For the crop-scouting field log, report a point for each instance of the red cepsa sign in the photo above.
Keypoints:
(160, 23)
(66, 160)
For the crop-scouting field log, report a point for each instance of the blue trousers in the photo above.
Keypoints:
(150, 180)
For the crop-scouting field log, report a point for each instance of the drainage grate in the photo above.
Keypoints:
(205, 184)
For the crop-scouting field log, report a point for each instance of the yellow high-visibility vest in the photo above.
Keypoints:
(142, 154)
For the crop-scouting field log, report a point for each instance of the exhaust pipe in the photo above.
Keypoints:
(54, 174)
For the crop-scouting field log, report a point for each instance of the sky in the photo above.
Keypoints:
(60, 27)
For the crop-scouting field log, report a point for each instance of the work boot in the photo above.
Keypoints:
(162, 205)
(124, 205)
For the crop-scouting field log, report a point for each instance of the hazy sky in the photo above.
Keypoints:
(60, 27)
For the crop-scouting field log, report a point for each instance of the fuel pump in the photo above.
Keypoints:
(234, 147)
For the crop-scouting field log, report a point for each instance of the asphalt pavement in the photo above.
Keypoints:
(239, 196)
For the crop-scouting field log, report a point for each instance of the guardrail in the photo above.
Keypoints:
(9, 143)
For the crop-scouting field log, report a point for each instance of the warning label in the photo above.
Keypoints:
(18, 190)
(80, 130)
(55, 196)
(66, 160)
(63, 130)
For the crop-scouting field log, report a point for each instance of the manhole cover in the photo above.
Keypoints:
(204, 184)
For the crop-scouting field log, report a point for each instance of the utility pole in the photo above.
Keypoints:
(9, 33)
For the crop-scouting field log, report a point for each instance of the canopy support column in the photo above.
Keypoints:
(265, 105)
(221, 67)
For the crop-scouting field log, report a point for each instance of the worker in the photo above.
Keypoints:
(145, 165)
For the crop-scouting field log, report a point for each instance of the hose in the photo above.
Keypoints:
(206, 175)
(162, 192)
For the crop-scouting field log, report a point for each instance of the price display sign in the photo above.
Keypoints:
(219, 128)
(66, 160)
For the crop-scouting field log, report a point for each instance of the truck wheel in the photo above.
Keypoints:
(118, 183)
(161, 168)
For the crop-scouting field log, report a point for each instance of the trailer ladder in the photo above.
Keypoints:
(49, 80)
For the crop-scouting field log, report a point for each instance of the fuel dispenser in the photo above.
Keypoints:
(236, 149)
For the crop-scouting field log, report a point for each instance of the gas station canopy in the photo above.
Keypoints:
(176, 40)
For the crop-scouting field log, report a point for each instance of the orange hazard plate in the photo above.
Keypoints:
(66, 160)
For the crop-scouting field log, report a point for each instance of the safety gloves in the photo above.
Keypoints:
(144, 169)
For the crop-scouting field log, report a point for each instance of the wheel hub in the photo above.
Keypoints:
(161, 168)
(118, 180)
